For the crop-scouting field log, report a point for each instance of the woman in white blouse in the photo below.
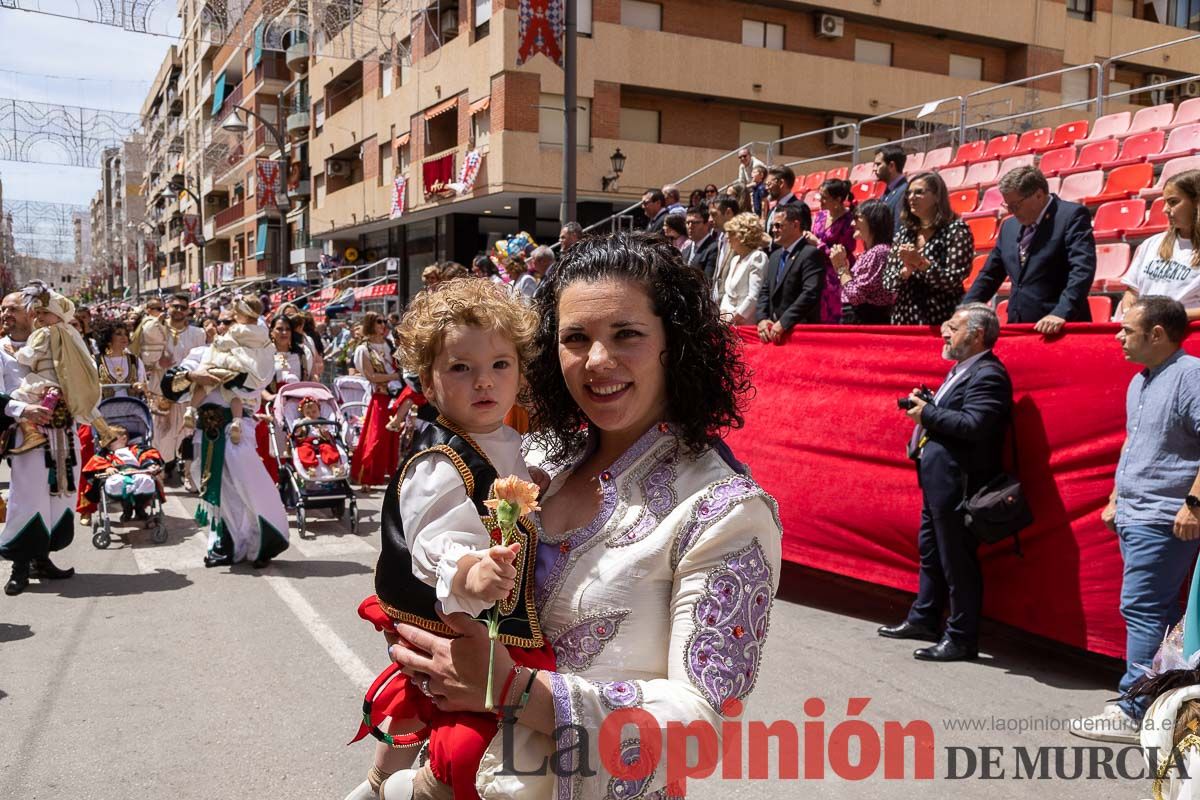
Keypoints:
(738, 276)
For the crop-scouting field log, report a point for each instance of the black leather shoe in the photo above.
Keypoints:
(218, 560)
(18, 583)
(261, 563)
(907, 630)
(44, 569)
(946, 650)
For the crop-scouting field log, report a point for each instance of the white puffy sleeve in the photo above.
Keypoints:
(725, 579)
(441, 525)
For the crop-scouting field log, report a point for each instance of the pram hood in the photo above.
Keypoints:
(286, 408)
(130, 413)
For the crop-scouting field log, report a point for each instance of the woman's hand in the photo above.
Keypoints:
(455, 668)
(837, 255)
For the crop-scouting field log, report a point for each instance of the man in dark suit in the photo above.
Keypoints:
(701, 250)
(780, 181)
(790, 292)
(1046, 248)
(654, 206)
(889, 168)
(958, 445)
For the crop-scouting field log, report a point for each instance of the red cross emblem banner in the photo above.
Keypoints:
(268, 182)
(539, 30)
(191, 230)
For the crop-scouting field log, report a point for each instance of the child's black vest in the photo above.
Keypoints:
(404, 597)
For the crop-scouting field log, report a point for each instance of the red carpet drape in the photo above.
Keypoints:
(824, 436)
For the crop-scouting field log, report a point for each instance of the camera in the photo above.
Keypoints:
(906, 403)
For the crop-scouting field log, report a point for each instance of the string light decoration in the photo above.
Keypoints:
(73, 136)
(43, 230)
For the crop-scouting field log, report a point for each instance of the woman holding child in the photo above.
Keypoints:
(657, 556)
(378, 451)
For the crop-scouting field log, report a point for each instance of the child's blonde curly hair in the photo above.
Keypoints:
(462, 301)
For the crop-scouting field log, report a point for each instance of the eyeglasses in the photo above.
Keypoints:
(1017, 204)
(224, 322)
(175, 307)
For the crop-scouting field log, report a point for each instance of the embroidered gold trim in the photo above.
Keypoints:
(1189, 742)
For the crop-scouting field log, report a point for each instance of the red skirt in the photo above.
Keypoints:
(262, 442)
(378, 453)
(86, 451)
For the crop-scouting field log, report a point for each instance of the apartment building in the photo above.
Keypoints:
(159, 235)
(116, 212)
(677, 84)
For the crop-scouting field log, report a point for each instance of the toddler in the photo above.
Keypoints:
(242, 358)
(316, 440)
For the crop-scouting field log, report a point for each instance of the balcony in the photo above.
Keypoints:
(212, 36)
(305, 255)
(300, 189)
(229, 216)
(233, 97)
(271, 76)
(210, 230)
(297, 57)
(297, 124)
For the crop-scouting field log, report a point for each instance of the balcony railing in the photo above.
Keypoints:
(271, 69)
(229, 215)
(233, 97)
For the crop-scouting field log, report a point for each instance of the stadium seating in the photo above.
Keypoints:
(813, 201)
(953, 176)
(1012, 162)
(1123, 182)
(1113, 220)
(813, 181)
(1170, 170)
(1153, 118)
(868, 190)
(1112, 261)
(1138, 148)
(1094, 156)
(861, 173)
(839, 174)
(1101, 307)
(991, 206)
(963, 202)
(1001, 146)
(1055, 184)
(1058, 161)
(1033, 141)
(982, 173)
(1183, 141)
(1065, 134)
(1110, 126)
(914, 163)
(1155, 222)
(969, 153)
(936, 159)
(983, 231)
(1002, 311)
(1081, 185)
(976, 268)
(1187, 113)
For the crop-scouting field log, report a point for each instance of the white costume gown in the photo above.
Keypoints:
(168, 427)
(661, 603)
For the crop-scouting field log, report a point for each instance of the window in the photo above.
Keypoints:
(441, 132)
(640, 124)
(386, 73)
(583, 17)
(404, 57)
(481, 129)
(1122, 8)
(758, 132)
(966, 67)
(319, 193)
(550, 120)
(638, 14)
(483, 17)
(868, 52)
(1081, 9)
(1076, 86)
(762, 34)
(385, 164)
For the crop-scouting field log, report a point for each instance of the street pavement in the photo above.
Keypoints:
(148, 676)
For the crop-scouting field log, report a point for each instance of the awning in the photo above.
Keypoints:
(258, 42)
(218, 93)
(441, 108)
(378, 290)
(481, 105)
(403, 139)
(260, 239)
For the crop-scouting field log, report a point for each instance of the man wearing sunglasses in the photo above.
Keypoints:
(178, 337)
(795, 276)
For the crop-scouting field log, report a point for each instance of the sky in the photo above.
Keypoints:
(70, 62)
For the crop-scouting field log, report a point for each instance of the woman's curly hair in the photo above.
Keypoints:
(707, 382)
(103, 333)
(476, 302)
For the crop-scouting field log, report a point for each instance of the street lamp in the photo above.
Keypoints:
(235, 124)
(608, 183)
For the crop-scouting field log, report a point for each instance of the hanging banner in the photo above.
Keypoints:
(191, 230)
(267, 183)
(150, 254)
(437, 174)
(227, 271)
(398, 187)
(539, 30)
(467, 175)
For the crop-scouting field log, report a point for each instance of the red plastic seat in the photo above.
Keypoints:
(969, 153)
(861, 173)
(1080, 185)
(1148, 119)
(1055, 184)
(982, 173)
(813, 200)
(1114, 219)
(813, 181)
(1110, 126)
(839, 174)
(963, 201)
(1101, 307)
(1184, 141)
(1000, 147)
(914, 163)
(936, 159)
(1138, 148)
(1112, 261)
(1170, 170)
(1002, 311)
(1187, 113)
(976, 268)
(1123, 182)
(1065, 134)
(1155, 222)
(983, 231)
(991, 205)
(868, 190)
(953, 176)
(1094, 156)
(1013, 162)
(1056, 161)
(1033, 141)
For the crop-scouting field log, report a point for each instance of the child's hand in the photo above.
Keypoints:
(492, 577)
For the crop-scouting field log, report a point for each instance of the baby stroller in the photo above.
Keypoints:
(325, 485)
(133, 415)
(353, 393)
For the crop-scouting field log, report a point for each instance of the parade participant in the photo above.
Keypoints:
(116, 364)
(378, 451)
(137, 324)
(289, 368)
(126, 471)
(239, 503)
(467, 342)
(316, 440)
(659, 556)
(35, 524)
(165, 343)
(242, 359)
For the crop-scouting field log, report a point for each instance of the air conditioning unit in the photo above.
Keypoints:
(1155, 78)
(842, 137)
(1189, 89)
(831, 26)
(449, 24)
(337, 169)
(1157, 96)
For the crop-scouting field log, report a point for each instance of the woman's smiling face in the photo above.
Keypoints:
(610, 348)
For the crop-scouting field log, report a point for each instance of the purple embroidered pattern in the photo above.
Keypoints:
(620, 789)
(722, 497)
(731, 623)
(620, 694)
(658, 498)
(577, 646)
(567, 741)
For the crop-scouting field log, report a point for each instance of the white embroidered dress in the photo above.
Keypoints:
(661, 603)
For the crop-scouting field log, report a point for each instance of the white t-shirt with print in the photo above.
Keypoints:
(1177, 278)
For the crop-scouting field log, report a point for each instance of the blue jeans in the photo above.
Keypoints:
(1156, 566)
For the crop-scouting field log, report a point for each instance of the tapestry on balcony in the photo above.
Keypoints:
(539, 29)
(398, 187)
(191, 230)
(268, 188)
(437, 174)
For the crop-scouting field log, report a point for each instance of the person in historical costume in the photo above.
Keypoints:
(124, 471)
(165, 343)
(377, 455)
(658, 557)
(441, 542)
(239, 503)
(289, 368)
(53, 363)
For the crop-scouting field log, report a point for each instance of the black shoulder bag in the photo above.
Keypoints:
(999, 509)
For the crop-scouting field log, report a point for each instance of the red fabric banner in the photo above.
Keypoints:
(824, 436)
(437, 174)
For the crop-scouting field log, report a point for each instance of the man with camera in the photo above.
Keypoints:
(957, 444)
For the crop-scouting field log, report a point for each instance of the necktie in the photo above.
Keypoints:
(1026, 238)
(918, 436)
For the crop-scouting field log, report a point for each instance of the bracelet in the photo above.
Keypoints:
(508, 682)
(525, 694)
